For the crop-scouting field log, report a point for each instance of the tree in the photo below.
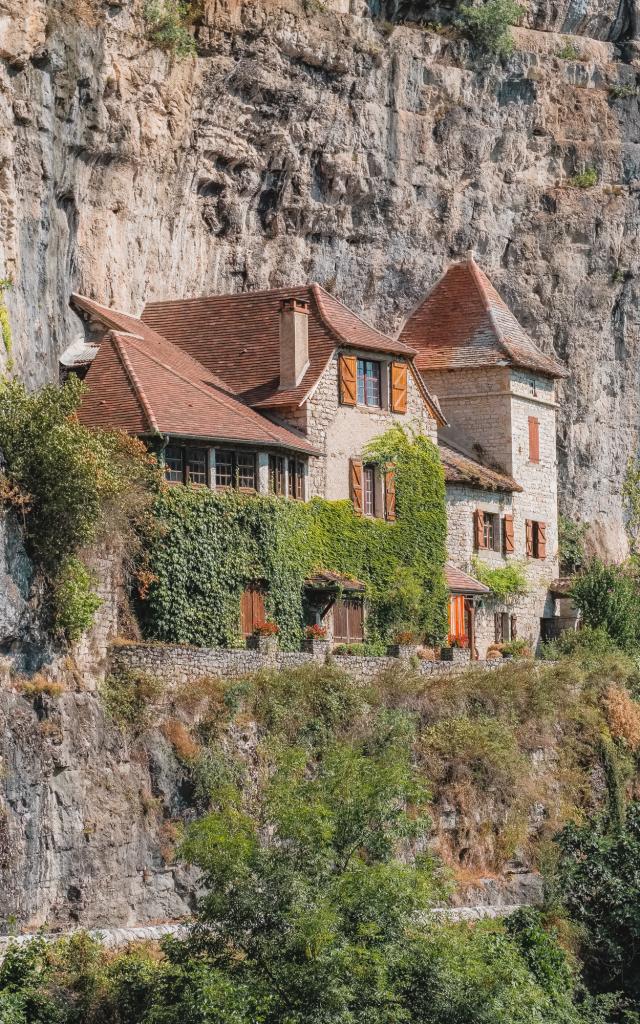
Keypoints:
(608, 597)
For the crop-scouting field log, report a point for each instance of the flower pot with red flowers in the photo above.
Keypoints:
(265, 638)
(316, 642)
(458, 650)
(405, 645)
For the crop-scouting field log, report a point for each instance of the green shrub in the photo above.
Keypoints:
(168, 25)
(571, 550)
(506, 581)
(74, 600)
(519, 648)
(585, 179)
(588, 644)
(488, 24)
(75, 487)
(623, 92)
(569, 52)
(480, 749)
(128, 694)
(609, 598)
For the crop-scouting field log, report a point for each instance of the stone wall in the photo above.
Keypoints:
(174, 664)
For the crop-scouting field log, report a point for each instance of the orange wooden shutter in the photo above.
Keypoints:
(356, 485)
(509, 545)
(542, 539)
(347, 372)
(390, 494)
(534, 439)
(456, 617)
(478, 529)
(529, 532)
(398, 387)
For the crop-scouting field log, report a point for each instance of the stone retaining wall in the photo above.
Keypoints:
(174, 663)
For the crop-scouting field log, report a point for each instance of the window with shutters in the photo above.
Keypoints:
(369, 490)
(296, 479)
(503, 627)
(487, 533)
(368, 373)
(534, 439)
(536, 534)
(276, 474)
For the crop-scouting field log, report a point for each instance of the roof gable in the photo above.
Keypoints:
(140, 382)
(238, 338)
(463, 323)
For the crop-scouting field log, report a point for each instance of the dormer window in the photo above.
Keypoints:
(369, 391)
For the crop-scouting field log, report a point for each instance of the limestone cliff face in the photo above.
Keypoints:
(310, 141)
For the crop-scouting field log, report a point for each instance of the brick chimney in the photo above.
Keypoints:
(294, 342)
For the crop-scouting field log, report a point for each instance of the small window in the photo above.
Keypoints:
(368, 382)
(296, 479)
(488, 531)
(224, 468)
(276, 474)
(197, 465)
(369, 490)
(174, 464)
(536, 537)
(246, 471)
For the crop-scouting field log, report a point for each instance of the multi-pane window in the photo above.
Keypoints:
(224, 468)
(246, 471)
(196, 468)
(174, 464)
(185, 465)
(491, 531)
(296, 479)
(276, 474)
(235, 469)
(368, 373)
(369, 490)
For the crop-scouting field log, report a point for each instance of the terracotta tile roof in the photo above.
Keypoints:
(237, 337)
(460, 468)
(147, 386)
(459, 582)
(463, 323)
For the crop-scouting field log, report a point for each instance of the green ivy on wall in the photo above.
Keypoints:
(208, 546)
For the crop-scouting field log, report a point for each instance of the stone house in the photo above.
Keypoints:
(496, 389)
(265, 392)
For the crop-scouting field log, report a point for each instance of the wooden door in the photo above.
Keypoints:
(252, 610)
(457, 617)
(348, 621)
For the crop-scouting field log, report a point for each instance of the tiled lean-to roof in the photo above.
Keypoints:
(140, 382)
(460, 468)
(463, 324)
(238, 338)
(459, 582)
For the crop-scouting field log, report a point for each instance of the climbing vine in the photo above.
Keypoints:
(208, 546)
(5, 326)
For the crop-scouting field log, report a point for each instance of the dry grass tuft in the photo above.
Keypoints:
(177, 735)
(40, 684)
(623, 716)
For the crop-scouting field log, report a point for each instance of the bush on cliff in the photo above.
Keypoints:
(74, 487)
(609, 598)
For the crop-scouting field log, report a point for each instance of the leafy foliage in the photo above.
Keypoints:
(609, 598)
(77, 485)
(488, 24)
(168, 25)
(571, 550)
(600, 876)
(585, 179)
(505, 581)
(210, 546)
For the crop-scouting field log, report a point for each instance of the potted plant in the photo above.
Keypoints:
(316, 642)
(265, 638)
(458, 650)
(405, 644)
